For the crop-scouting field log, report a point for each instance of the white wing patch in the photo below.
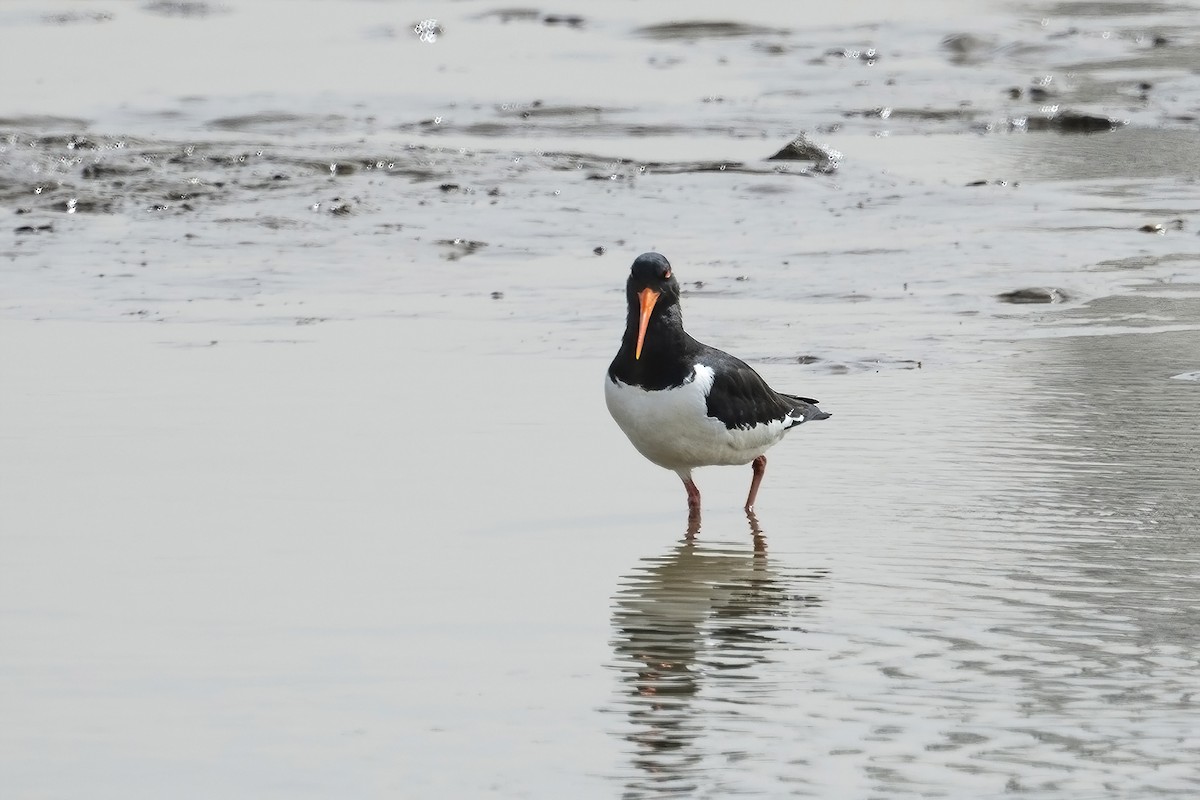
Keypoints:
(671, 427)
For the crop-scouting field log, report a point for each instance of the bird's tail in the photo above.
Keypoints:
(804, 409)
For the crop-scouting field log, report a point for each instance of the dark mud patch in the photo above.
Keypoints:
(512, 14)
(75, 205)
(188, 9)
(264, 222)
(825, 159)
(1110, 8)
(454, 249)
(40, 123)
(702, 29)
(1073, 122)
(967, 49)
(337, 207)
(1034, 295)
(77, 18)
(609, 168)
(767, 189)
(844, 367)
(538, 109)
(569, 20)
(580, 125)
(507, 15)
(69, 173)
(546, 119)
(112, 172)
(963, 113)
(1143, 262)
(1163, 227)
(684, 167)
(25, 230)
(283, 122)
(864, 55)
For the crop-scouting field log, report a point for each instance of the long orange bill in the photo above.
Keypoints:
(648, 297)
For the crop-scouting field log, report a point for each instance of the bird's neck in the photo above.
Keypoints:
(666, 347)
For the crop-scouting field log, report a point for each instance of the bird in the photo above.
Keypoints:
(684, 404)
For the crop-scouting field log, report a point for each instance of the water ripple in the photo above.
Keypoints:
(1024, 626)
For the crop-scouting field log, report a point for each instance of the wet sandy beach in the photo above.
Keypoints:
(307, 486)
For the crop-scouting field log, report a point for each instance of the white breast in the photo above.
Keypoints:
(671, 427)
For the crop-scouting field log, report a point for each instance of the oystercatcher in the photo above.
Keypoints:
(684, 404)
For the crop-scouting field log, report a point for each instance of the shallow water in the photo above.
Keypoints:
(226, 559)
(306, 482)
(1011, 610)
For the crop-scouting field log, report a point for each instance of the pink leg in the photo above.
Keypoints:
(693, 494)
(759, 466)
(693, 508)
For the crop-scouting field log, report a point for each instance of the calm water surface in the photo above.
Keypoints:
(1007, 606)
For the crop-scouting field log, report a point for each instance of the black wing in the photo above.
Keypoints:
(739, 397)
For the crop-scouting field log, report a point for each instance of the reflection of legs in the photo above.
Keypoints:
(759, 466)
(756, 534)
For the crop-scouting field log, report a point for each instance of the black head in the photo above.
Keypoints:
(653, 271)
(653, 293)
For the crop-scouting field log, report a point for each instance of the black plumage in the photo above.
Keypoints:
(739, 396)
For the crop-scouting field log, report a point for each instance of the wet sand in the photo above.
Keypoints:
(307, 486)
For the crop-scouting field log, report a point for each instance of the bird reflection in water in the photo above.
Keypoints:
(704, 615)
